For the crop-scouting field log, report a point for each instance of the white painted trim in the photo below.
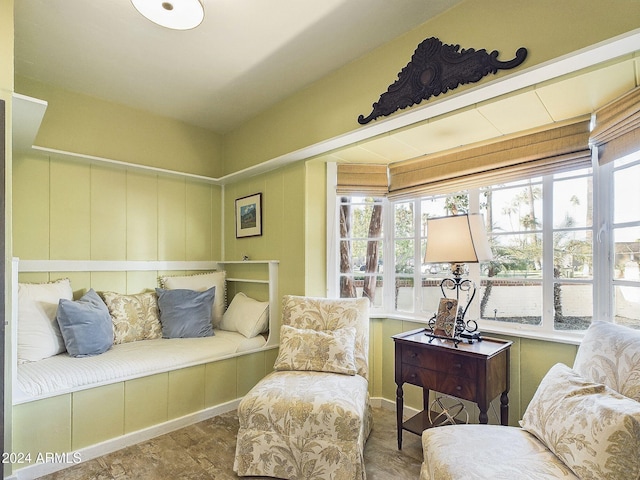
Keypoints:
(94, 451)
(118, 163)
(333, 236)
(112, 265)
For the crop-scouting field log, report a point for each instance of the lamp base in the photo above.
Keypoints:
(471, 337)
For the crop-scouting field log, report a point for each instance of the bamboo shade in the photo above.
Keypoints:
(617, 129)
(364, 179)
(549, 151)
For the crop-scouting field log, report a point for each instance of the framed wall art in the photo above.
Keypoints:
(249, 216)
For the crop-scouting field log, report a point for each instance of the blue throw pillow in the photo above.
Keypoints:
(86, 325)
(185, 313)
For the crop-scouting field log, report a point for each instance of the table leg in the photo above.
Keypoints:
(504, 408)
(483, 407)
(399, 410)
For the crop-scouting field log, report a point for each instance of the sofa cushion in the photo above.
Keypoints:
(307, 349)
(85, 325)
(201, 282)
(332, 314)
(481, 452)
(594, 430)
(135, 317)
(185, 313)
(610, 354)
(246, 315)
(304, 425)
(39, 334)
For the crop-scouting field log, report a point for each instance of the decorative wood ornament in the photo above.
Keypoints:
(436, 68)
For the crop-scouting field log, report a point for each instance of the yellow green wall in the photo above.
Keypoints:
(81, 124)
(330, 107)
(283, 224)
(75, 210)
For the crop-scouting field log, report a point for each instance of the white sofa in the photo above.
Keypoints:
(582, 423)
(135, 390)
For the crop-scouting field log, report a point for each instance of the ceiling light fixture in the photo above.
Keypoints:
(174, 14)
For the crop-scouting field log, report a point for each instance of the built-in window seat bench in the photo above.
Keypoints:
(72, 408)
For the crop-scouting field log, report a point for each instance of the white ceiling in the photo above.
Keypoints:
(244, 57)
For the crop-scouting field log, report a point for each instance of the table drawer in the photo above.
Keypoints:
(455, 364)
(418, 376)
(455, 385)
(418, 356)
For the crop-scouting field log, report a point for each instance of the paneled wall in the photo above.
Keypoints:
(283, 224)
(76, 210)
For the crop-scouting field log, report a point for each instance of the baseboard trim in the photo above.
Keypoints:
(36, 470)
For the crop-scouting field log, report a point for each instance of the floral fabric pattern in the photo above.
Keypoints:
(309, 425)
(304, 425)
(306, 349)
(599, 439)
(327, 314)
(582, 423)
(496, 453)
(135, 317)
(610, 354)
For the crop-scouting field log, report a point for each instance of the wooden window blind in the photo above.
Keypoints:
(553, 150)
(617, 129)
(362, 179)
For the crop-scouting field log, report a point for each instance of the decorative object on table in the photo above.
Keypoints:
(457, 239)
(445, 410)
(445, 321)
(436, 68)
(249, 216)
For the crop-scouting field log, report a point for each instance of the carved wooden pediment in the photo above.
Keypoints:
(436, 68)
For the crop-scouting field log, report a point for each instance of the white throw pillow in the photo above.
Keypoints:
(39, 334)
(246, 315)
(201, 282)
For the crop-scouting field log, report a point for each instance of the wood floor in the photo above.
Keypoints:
(205, 450)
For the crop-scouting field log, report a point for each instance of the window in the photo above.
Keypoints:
(361, 248)
(551, 268)
(626, 240)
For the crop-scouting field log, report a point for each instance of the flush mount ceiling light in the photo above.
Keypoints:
(174, 14)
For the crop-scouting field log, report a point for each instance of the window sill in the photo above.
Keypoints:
(512, 330)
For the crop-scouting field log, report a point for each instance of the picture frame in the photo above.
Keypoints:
(445, 325)
(249, 216)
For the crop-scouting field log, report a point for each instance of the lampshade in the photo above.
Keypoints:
(457, 239)
(174, 14)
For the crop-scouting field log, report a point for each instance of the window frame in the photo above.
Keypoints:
(603, 281)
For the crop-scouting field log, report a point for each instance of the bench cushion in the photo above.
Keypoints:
(293, 425)
(480, 452)
(63, 373)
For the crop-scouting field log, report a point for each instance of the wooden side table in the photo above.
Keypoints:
(477, 372)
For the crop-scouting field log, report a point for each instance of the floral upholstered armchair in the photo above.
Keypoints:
(582, 423)
(310, 418)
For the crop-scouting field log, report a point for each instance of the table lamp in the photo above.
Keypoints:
(458, 240)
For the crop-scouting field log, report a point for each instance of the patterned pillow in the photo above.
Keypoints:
(135, 317)
(331, 314)
(593, 429)
(320, 351)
